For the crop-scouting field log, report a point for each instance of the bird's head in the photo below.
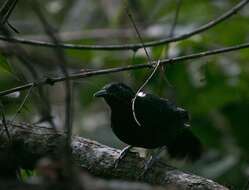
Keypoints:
(116, 94)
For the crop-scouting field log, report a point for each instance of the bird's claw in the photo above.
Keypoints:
(122, 154)
(147, 165)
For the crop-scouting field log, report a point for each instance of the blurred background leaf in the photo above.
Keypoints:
(214, 89)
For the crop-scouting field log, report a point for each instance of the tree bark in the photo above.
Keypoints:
(31, 142)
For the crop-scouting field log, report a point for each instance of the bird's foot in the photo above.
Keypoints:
(122, 154)
(148, 165)
(150, 162)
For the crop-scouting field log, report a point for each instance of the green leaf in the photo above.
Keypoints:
(4, 64)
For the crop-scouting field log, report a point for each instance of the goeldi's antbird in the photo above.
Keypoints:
(156, 122)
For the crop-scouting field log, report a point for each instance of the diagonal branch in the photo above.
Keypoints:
(35, 141)
(62, 65)
(199, 30)
(6, 10)
(51, 81)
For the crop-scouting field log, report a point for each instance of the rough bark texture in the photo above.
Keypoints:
(86, 183)
(30, 142)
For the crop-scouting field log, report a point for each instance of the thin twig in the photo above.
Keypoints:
(23, 103)
(148, 57)
(128, 12)
(139, 90)
(12, 27)
(68, 100)
(62, 60)
(171, 34)
(6, 10)
(136, 46)
(172, 30)
(5, 124)
(51, 81)
(24, 58)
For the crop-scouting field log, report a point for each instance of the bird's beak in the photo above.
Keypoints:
(100, 93)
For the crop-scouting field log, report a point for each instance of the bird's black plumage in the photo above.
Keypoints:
(161, 122)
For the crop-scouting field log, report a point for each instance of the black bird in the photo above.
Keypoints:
(157, 122)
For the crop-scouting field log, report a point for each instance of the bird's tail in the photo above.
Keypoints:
(186, 145)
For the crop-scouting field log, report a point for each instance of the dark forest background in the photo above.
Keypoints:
(214, 89)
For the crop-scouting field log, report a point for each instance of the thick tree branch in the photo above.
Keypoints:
(31, 142)
(86, 183)
(199, 30)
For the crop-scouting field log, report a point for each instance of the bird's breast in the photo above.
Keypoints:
(127, 130)
(124, 128)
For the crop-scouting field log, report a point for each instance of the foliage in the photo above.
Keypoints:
(213, 89)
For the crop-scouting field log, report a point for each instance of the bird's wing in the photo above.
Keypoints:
(154, 111)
